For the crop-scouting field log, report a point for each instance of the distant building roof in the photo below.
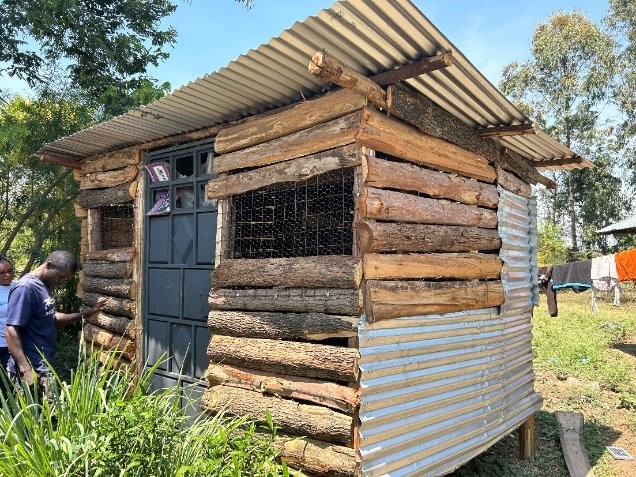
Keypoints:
(371, 36)
(624, 226)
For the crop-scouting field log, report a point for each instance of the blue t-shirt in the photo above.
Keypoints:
(4, 301)
(32, 309)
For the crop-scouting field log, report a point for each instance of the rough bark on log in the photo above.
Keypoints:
(80, 212)
(430, 118)
(328, 68)
(116, 306)
(328, 394)
(401, 237)
(465, 266)
(416, 68)
(394, 299)
(317, 300)
(111, 161)
(385, 174)
(317, 457)
(294, 170)
(122, 288)
(339, 132)
(109, 341)
(396, 138)
(512, 183)
(104, 269)
(114, 359)
(282, 326)
(380, 204)
(124, 254)
(93, 198)
(305, 272)
(286, 357)
(301, 116)
(302, 419)
(102, 180)
(119, 325)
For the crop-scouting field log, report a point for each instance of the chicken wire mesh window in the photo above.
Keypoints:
(309, 218)
(114, 227)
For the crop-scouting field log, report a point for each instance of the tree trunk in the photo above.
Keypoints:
(462, 266)
(294, 170)
(310, 300)
(109, 341)
(572, 207)
(394, 206)
(94, 198)
(318, 458)
(391, 237)
(122, 288)
(302, 419)
(324, 393)
(119, 325)
(282, 326)
(286, 357)
(31, 209)
(103, 269)
(321, 137)
(300, 116)
(116, 306)
(304, 272)
(383, 174)
(394, 299)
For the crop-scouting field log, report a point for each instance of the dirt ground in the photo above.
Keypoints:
(607, 423)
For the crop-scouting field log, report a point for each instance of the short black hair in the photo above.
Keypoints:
(4, 258)
(62, 260)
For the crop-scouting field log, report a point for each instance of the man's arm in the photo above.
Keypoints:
(63, 319)
(14, 343)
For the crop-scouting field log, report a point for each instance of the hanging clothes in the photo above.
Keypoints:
(545, 280)
(574, 275)
(626, 265)
(604, 278)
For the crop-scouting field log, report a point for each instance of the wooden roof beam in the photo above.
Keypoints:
(61, 162)
(417, 68)
(508, 130)
(558, 162)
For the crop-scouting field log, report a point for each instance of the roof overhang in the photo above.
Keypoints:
(371, 36)
(623, 227)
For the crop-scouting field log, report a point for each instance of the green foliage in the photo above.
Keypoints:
(552, 248)
(104, 43)
(101, 424)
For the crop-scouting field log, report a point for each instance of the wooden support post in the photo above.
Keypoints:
(526, 439)
(330, 69)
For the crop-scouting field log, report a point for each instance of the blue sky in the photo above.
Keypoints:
(212, 33)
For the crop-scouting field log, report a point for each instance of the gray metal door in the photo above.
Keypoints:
(178, 260)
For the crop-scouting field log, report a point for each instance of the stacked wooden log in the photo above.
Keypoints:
(284, 329)
(109, 179)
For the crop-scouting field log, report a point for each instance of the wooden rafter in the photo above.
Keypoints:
(558, 162)
(62, 162)
(508, 130)
(417, 68)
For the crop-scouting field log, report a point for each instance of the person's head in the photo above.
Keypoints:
(6, 271)
(58, 267)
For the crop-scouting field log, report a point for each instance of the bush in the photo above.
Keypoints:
(101, 424)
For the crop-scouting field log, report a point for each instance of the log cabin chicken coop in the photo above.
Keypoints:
(337, 228)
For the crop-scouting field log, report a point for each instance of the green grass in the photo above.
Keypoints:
(104, 423)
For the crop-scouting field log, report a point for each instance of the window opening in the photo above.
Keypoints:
(116, 226)
(309, 218)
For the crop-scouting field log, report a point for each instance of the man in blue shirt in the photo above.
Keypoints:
(32, 318)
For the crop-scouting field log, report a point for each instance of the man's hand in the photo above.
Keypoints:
(99, 306)
(28, 376)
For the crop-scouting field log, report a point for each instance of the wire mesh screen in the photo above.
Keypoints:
(309, 218)
(116, 226)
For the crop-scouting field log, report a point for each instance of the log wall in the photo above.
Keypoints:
(284, 330)
(110, 179)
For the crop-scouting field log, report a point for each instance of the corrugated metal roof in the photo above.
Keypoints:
(369, 35)
(624, 226)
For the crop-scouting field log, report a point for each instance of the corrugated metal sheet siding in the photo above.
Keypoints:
(369, 35)
(534, 249)
(439, 389)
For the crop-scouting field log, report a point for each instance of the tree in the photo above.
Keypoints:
(565, 86)
(106, 45)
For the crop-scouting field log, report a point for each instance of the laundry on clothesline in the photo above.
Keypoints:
(626, 265)
(574, 275)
